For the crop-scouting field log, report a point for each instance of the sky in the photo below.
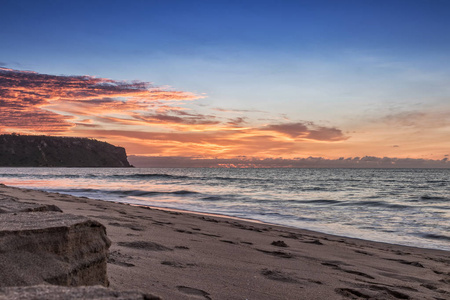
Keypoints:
(232, 81)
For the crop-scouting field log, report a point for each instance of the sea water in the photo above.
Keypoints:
(401, 206)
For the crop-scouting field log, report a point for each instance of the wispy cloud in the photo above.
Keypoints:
(237, 121)
(238, 110)
(307, 130)
(419, 119)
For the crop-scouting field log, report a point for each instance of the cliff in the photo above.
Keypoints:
(48, 151)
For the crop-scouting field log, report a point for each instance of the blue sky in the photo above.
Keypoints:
(109, 35)
(359, 66)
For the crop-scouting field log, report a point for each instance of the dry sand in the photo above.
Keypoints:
(190, 256)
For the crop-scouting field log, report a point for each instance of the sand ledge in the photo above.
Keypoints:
(181, 256)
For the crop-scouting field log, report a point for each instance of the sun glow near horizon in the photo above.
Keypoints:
(228, 79)
(152, 121)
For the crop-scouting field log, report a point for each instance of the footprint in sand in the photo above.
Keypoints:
(182, 247)
(209, 219)
(200, 294)
(278, 276)
(228, 242)
(131, 226)
(173, 264)
(176, 264)
(351, 293)
(336, 266)
(315, 242)
(246, 243)
(363, 252)
(291, 235)
(277, 253)
(391, 292)
(183, 231)
(150, 246)
(405, 262)
(120, 259)
(120, 263)
(279, 244)
(210, 234)
(155, 222)
(371, 292)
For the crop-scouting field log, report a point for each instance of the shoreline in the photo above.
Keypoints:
(351, 204)
(223, 216)
(219, 215)
(188, 255)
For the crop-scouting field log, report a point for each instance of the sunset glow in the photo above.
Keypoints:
(217, 88)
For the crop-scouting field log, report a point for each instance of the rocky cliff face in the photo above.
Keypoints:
(47, 151)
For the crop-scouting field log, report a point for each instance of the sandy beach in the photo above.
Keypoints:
(179, 255)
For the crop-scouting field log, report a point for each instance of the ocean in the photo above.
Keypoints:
(402, 206)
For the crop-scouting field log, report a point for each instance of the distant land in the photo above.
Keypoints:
(308, 162)
(49, 151)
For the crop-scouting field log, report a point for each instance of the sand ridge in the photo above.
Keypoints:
(190, 256)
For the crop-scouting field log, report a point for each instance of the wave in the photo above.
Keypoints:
(320, 201)
(435, 236)
(14, 175)
(341, 180)
(126, 193)
(124, 176)
(39, 176)
(74, 190)
(434, 198)
(437, 181)
(165, 176)
(311, 188)
(375, 204)
(177, 177)
(213, 198)
(169, 176)
(152, 193)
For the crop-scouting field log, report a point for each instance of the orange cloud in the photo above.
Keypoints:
(178, 117)
(146, 119)
(29, 98)
(33, 120)
(222, 143)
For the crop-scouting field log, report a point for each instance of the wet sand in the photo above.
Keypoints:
(179, 255)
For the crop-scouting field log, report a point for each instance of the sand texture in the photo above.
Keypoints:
(51, 292)
(190, 256)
